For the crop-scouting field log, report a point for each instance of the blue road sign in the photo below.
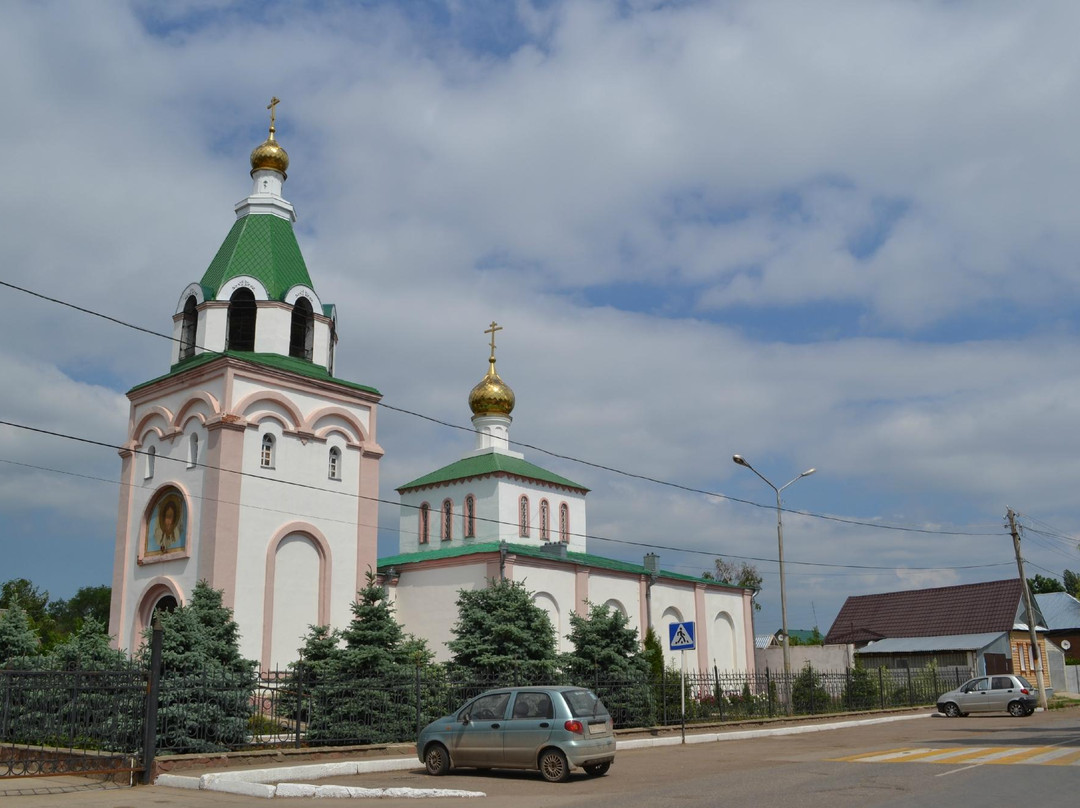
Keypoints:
(681, 636)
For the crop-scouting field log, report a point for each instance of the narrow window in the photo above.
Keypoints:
(334, 470)
(425, 513)
(470, 517)
(193, 450)
(266, 458)
(545, 532)
(188, 328)
(151, 456)
(447, 520)
(523, 517)
(242, 310)
(303, 330)
(564, 523)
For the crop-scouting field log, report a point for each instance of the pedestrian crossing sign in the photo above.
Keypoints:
(681, 636)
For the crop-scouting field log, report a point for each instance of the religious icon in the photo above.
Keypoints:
(168, 524)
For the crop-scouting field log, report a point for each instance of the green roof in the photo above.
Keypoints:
(536, 552)
(291, 364)
(264, 247)
(490, 463)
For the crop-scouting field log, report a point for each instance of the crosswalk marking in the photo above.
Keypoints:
(975, 755)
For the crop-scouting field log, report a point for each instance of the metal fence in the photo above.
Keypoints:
(130, 712)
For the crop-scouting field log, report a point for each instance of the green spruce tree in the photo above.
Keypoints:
(502, 637)
(19, 643)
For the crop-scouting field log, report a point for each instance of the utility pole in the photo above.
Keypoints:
(1036, 656)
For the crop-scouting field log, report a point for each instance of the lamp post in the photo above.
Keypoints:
(780, 546)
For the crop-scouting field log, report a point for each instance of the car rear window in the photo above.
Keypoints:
(584, 704)
(1025, 683)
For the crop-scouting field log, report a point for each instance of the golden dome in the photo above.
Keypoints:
(269, 154)
(492, 396)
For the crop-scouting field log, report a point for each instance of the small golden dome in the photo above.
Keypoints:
(269, 154)
(492, 396)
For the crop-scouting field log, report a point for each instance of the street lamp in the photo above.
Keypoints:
(780, 543)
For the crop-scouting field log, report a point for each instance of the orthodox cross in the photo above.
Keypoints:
(494, 327)
(274, 101)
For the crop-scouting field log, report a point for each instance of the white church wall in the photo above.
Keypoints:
(213, 322)
(723, 620)
(426, 600)
(622, 589)
(273, 329)
(294, 607)
(554, 590)
(672, 603)
(510, 493)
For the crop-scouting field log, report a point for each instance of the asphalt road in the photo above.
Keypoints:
(928, 761)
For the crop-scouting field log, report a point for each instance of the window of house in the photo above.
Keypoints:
(334, 464)
(470, 517)
(545, 532)
(303, 330)
(241, 329)
(523, 517)
(189, 326)
(151, 456)
(447, 520)
(266, 457)
(422, 532)
(564, 523)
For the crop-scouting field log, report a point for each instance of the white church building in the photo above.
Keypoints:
(251, 466)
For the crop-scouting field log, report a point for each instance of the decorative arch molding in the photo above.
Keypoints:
(242, 282)
(153, 413)
(192, 289)
(723, 630)
(312, 424)
(348, 438)
(246, 407)
(322, 547)
(299, 291)
(547, 602)
(154, 590)
(140, 438)
(199, 398)
(671, 615)
(616, 606)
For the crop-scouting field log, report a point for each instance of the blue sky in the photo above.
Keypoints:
(841, 236)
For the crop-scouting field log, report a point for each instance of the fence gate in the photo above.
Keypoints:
(56, 723)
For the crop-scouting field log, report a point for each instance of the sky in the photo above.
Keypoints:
(837, 235)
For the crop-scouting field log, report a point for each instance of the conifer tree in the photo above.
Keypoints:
(18, 639)
(88, 649)
(501, 635)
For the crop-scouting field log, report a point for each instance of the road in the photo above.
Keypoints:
(926, 761)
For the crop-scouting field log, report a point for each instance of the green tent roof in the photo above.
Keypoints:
(301, 367)
(263, 247)
(490, 463)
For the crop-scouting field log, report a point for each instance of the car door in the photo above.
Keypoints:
(1002, 690)
(478, 740)
(528, 728)
(974, 696)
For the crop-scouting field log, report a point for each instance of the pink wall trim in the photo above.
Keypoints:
(312, 422)
(581, 591)
(246, 405)
(122, 553)
(139, 429)
(322, 547)
(748, 630)
(200, 397)
(704, 625)
(367, 520)
(153, 591)
(220, 526)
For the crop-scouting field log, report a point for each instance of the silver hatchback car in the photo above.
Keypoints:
(990, 694)
(552, 729)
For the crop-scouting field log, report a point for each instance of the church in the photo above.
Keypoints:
(250, 465)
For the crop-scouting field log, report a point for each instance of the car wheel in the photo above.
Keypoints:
(553, 766)
(597, 769)
(1017, 709)
(951, 710)
(437, 760)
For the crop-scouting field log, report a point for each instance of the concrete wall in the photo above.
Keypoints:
(820, 657)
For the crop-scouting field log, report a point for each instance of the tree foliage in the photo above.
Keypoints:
(729, 572)
(1041, 585)
(18, 638)
(1071, 581)
(89, 602)
(501, 634)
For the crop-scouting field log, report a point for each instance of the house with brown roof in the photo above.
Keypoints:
(982, 627)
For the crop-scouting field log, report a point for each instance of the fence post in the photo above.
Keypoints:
(8, 677)
(153, 688)
(881, 686)
(768, 690)
(418, 727)
(663, 692)
(910, 691)
(301, 686)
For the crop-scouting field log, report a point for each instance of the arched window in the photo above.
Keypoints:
(266, 457)
(241, 336)
(188, 328)
(470, 517)
(545, 532)
(193, 450)
(151, 456)
(334, 464)
(303, 329)
(523, 517)
(425, 514)
(564, 523)
(447, 528)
